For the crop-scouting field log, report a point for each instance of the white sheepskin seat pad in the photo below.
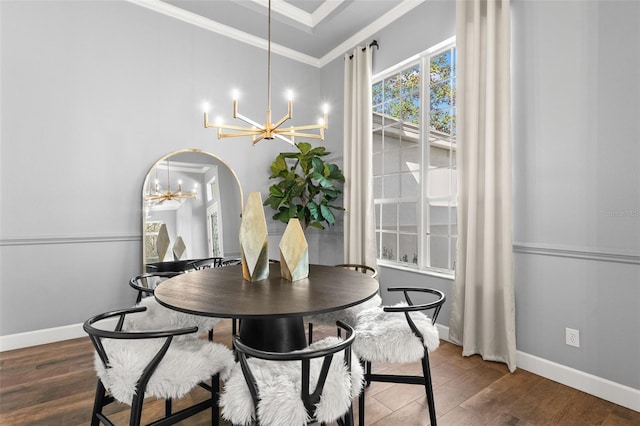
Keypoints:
(386, 337)
(157, 317)
(279, 385)
(182, 368)
(349, 315)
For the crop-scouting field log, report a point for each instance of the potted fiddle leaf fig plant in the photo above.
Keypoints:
(307, 187)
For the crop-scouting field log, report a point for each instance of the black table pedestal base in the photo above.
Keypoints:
(273, 334)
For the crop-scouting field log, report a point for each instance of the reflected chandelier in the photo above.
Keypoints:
(158, 196)
(269, 130)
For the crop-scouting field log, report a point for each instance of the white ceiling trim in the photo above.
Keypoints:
(225, 30)
(241, 36)
(305, 18)
(370, 30)
(324, 10)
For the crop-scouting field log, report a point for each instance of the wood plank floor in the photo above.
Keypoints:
(54, 384)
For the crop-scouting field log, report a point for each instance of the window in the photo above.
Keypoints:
(414, 161)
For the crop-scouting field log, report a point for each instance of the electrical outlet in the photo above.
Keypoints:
(572, 337)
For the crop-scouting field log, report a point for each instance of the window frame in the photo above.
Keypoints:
(423, 200)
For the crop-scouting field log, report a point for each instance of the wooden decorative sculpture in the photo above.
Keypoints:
(254, 240)
(294, 252)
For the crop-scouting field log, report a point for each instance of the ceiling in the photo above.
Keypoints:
(310, 31)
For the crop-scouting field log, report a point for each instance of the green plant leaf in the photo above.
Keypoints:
(323, 181)
(317, 225)
(327, 214)
(318, 164)
(304, 147)
(313, 209)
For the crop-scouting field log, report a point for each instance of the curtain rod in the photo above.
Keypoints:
(372, 44)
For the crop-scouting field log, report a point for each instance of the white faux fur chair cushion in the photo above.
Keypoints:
(184, 366)
(386, 336)
(279, 384)
(348, 315)
(157, 317)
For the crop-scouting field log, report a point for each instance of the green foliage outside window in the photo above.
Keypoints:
(399, 96)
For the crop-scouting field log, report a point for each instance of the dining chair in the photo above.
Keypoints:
(401, 333)
(167, 364)
(315, 384)
(145, 284)
(159, 316)
(211, 262)
(345, 315)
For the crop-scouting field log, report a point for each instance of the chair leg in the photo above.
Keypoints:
(98, 403)
(361, 409)
(310, 333)
(347, 419)
(215, 396)
(428, 387)
(167, 407)
(136, 409)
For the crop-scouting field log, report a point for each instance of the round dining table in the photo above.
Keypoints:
(271, 310)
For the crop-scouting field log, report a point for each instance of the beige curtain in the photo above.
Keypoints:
(483, 307)
(359, 225)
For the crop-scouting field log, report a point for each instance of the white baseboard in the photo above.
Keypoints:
(597, 386)
(41, 337)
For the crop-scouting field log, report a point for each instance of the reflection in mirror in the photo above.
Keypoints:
(192, 202)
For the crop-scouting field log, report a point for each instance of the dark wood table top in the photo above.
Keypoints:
(222, 292)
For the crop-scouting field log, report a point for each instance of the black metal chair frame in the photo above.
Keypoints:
(356, 267)
(133, 282)
(310, 399)
(211, 262)
(102, 399)
(170, 266)
(425, 379)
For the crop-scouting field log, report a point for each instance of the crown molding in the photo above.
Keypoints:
(225, 30)
(292, 12)
(370, 30)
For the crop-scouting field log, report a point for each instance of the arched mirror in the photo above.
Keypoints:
(192, 202)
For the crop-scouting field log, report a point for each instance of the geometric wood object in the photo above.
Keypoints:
(162, 243)
(254, 240)
(179, 249)
(294, 252)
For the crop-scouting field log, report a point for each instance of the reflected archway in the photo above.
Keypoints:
(192, 203)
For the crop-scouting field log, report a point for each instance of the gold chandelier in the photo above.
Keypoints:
(158, 196)
(268, 130)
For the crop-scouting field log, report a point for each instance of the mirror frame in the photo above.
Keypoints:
(145, 184)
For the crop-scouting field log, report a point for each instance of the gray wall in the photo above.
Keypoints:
(576, 105)
(93, 93)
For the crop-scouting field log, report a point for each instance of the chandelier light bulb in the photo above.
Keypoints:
(290, 95)
(205, 106)
(325, 108)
